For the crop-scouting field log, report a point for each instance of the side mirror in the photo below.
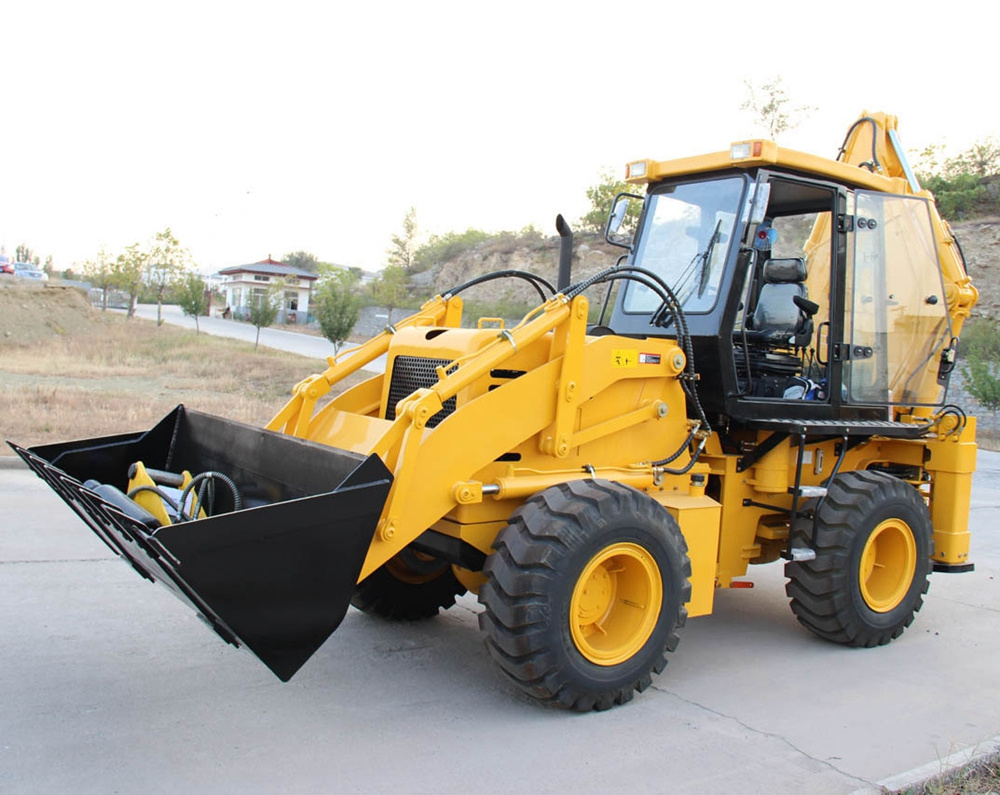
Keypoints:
(617, 218)
(617, 215)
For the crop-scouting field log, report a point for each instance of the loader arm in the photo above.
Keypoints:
(294, 416)
(433, 468)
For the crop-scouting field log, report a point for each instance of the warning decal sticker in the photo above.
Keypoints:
(622, 357)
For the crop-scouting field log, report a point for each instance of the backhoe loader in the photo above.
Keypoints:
(762, 377)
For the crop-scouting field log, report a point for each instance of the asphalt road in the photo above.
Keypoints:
(290, 341)
(108, 684)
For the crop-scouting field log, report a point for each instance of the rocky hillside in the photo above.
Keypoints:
(535, 255)
(980, 240)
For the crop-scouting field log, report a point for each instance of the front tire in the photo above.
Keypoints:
(585, 593)
(873, 542)
(409, 587)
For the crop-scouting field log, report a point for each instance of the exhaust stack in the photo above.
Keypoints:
(565, 252)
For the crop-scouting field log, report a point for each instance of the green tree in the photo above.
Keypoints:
(192, 298)
(100, 272)
(982, 159)
(980, 350)
(302, 260)
(404, 245)
(981, 337)
(441, 248)
(769, 105)
(982, 379)
(965, 185)
(24, 254)
(338, 306)
(264, 307)
(165, 267)
(391, 287)
(129, 270)
(601, 196)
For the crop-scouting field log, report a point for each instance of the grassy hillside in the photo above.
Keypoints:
(68, 371)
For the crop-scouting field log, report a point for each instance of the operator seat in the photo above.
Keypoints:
(783, 315)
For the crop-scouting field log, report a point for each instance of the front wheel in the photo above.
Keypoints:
(585, 593)
(408, 587)
(873, 541)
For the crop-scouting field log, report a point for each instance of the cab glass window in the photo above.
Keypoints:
(685, 238)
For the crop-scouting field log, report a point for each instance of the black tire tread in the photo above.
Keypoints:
(384, 595)
(522, 572)
(822, 590)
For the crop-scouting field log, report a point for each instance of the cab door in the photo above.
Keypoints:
(896, 319)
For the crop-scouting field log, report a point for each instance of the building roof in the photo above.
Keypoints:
(269, 267)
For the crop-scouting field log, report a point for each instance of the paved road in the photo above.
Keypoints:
(107, 684)
(290, 341)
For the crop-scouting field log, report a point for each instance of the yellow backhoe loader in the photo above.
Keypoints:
(765, 380)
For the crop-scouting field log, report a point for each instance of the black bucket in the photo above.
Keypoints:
(277, 576)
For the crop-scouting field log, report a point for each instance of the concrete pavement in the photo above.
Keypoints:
(107, 684)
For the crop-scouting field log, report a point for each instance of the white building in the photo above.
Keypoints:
(244, 285)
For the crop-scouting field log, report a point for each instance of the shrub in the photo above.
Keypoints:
(441, 248)
(980, 339)
(967, 184)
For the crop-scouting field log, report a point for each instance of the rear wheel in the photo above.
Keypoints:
(408, 587)
(585, 593)
(873, 542)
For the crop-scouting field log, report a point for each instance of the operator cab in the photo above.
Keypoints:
(807, 300)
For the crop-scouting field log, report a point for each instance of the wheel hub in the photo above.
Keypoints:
(888, 563)
(616, 604)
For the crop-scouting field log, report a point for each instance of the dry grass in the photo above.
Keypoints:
(980, 778)
(117, 376)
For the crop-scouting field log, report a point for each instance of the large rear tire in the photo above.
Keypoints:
(873, 542)
(585, 593)
(410, 586)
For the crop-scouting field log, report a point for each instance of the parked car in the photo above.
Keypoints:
(28, 271)
(6, 266)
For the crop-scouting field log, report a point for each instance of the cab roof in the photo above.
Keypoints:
(757, 153)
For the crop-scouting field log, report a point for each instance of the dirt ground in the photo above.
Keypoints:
(31, 312)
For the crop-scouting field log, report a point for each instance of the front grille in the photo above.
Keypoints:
(410, 373)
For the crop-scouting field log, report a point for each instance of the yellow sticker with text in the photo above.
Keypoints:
(623, 357)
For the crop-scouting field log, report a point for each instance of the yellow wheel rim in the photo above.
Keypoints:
(616, 604)
(414, 568)
(888, 563)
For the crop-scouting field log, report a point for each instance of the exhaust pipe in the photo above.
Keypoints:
(565, 253)
(276, 576)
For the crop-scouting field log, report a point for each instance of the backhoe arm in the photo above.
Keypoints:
(872, 143)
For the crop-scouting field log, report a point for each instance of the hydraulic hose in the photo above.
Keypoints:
(535, 281)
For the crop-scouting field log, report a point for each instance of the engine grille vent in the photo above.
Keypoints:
(410, 373)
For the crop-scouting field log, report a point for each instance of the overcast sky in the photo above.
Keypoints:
(258, 128)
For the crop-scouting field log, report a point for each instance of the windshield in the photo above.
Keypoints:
(685, 238)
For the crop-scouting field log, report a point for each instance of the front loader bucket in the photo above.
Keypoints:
(276, 576)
